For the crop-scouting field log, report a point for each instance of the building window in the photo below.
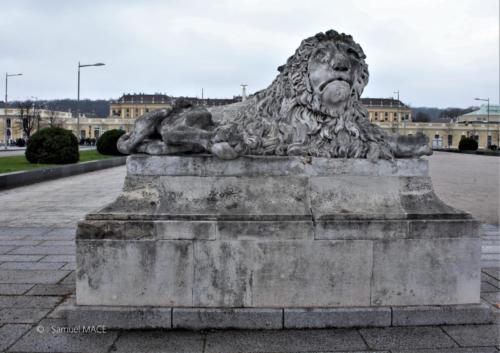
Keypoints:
(450, 140)
(8, 123)
(128, 110)
(147, 110)
(489, 141)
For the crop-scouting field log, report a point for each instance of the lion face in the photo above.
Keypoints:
(335, 71)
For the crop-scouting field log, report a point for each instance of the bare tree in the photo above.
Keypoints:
(52, 118)
(29, 117)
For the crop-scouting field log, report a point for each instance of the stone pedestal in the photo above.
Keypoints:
(274, 242)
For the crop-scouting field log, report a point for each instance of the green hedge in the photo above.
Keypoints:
(52, 145)
(467, 144)
(107, 142)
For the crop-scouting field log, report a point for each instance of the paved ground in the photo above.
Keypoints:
(37, 259)
(468, 182)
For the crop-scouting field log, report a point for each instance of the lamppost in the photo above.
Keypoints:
(487, 121)
(399, 115)
(7, 75)
(78, 98)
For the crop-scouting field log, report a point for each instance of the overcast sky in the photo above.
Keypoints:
(435, 52)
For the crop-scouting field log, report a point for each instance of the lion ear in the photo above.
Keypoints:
(281, 68)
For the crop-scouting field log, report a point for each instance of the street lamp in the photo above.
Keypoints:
(487, 121)
(78, 98)
(7, 75)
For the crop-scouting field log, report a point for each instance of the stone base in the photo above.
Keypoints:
(289, 318)
(219, 241)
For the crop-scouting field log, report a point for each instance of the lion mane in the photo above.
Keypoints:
(288, 118)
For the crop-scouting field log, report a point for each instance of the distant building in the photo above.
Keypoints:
(131, 106)
(386, 110)
(481, 116)
(391, 115)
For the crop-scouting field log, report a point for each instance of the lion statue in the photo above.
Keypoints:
(312, 108)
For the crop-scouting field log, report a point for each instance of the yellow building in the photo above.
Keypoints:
(391, 115)
(387, 110)
(131, 106)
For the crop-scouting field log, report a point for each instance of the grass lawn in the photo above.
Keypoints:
(17, 163)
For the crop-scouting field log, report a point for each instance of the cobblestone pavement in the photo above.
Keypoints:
(37, 260)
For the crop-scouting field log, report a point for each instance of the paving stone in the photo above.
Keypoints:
(14, 289)
(61, 234)
(450, 350)
(10, 333)
(406, 337)
(283, 341)
(58, 243)
(45, 250)
(492, 298)
(19, 242)
(159, 341)
(59, 258)
(493, 272)
(489, 263)
(12, 233)
(25, 258)
(52, 289)
(490, 248)
(489, 279)
(51, 340)
(69, 279)
(24, 301)
(69, 266)
(248, 318)
(35, 276)
(474, 335)
(6, 248)
(24, 316)
(486, 287)
(31, 265)
(61, 310)
(442, 315)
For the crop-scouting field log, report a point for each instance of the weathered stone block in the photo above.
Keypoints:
(134, 272)
(115, 317)
(234, 243)
(250, 319)
(436, 271)
(282, 273)
(442, 315)
(336, 317)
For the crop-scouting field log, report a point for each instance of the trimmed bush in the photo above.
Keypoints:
(467, 144)
(52, 145)
(107, 142)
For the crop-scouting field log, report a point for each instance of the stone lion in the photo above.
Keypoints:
(312, 108)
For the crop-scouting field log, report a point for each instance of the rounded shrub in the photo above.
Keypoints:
(52, 145)
(107, 142)
(467, 144)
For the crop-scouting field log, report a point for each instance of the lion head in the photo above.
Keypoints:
(313, 105)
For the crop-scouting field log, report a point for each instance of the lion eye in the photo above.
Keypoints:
(321, 56)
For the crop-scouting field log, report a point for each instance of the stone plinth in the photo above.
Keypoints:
(276, 235)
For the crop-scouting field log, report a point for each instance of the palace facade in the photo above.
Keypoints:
(390, 114)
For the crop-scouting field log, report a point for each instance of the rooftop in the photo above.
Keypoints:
(494, 110)
(383, 102)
